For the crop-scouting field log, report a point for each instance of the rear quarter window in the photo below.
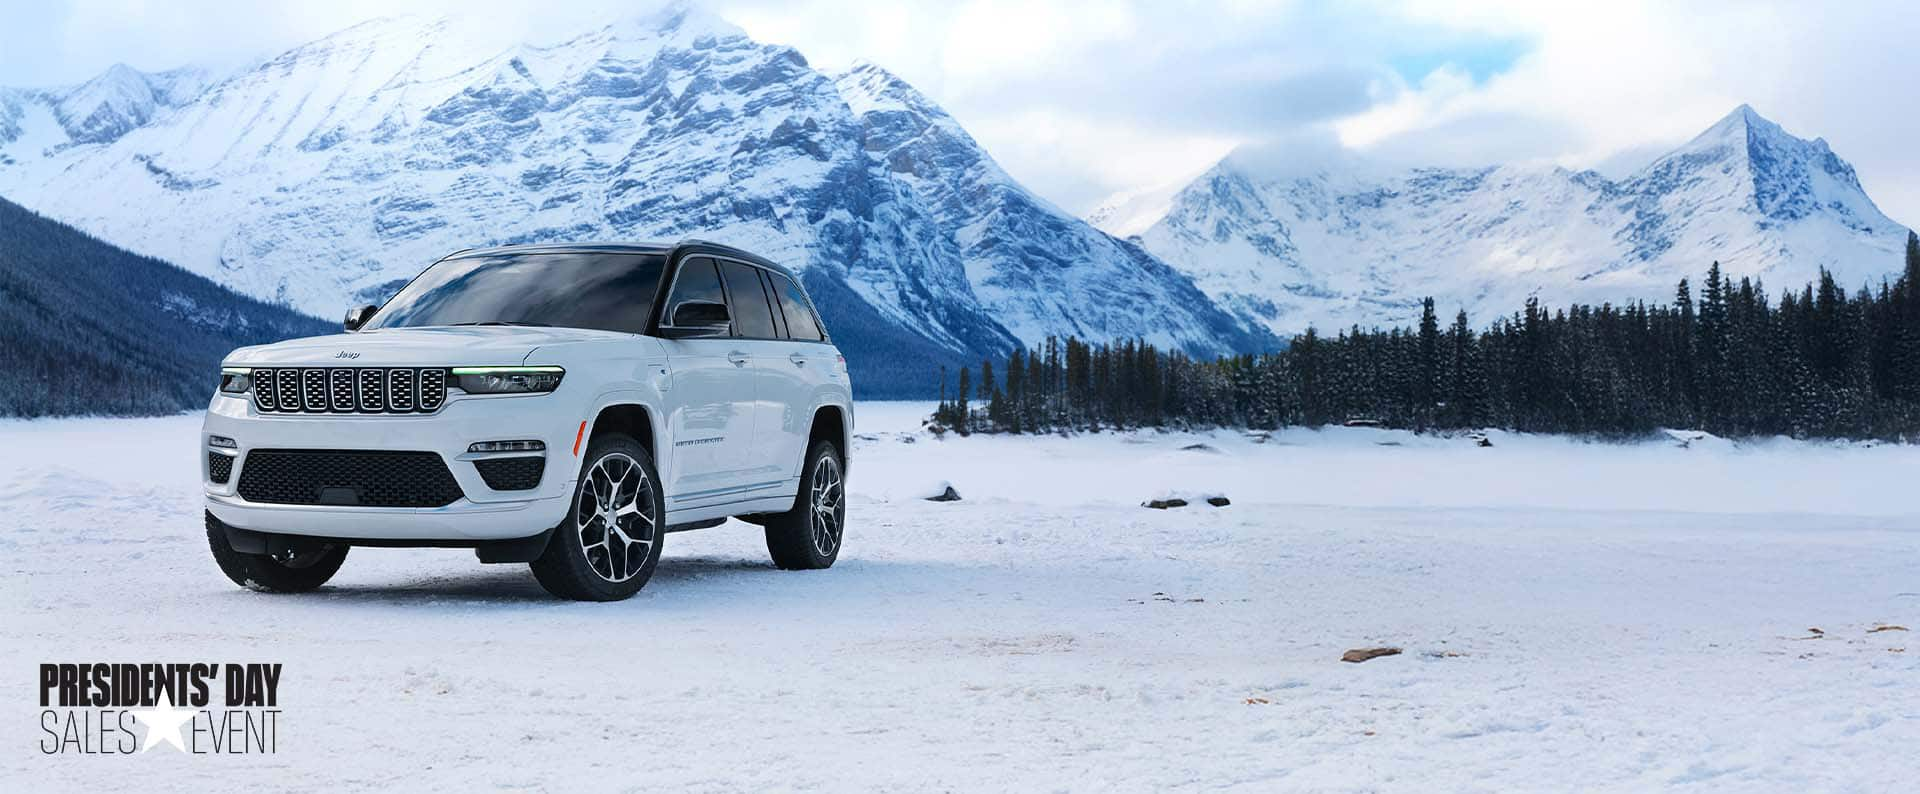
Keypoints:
(802, 324)
(752, 315)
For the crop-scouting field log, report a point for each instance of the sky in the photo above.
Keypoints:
(1082, 101)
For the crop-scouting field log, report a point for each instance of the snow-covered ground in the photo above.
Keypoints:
(1575, 617)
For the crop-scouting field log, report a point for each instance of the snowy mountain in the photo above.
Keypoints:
(1340, 243)
(330, 174)
(97, 111)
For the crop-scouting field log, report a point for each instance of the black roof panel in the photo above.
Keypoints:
(689, 244)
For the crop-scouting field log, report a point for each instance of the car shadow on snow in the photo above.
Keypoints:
(677, 581)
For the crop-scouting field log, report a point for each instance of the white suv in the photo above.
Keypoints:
(561, 405)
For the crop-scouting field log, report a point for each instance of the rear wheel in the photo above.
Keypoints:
(295, 570)
(808, 536)
(609, 543)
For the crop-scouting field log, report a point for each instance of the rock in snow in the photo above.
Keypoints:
(1174, 499)
(943, 493)
(1359, 655)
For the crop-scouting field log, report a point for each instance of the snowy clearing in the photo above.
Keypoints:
(1574, 617)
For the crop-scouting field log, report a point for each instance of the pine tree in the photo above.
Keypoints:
(1911, 275)
(1466, 385)
(962, 413)
(1036, 394)
(1680, 342)
(1905, 358)
(990, 391)
(1428, 366)
(1016, 393)
(942, 412)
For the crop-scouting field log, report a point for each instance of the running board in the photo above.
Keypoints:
(711, 522)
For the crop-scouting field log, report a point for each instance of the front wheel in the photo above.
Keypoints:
(292, 571)
(609, 543)
(808, 536)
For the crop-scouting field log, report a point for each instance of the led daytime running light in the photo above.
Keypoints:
(507, 446)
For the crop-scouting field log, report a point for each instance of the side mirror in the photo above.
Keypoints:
(696, 319)
(358, 316)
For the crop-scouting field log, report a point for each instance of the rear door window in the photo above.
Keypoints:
(752, 315)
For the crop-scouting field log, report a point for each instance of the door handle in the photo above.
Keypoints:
(738, 358)
(797, 359)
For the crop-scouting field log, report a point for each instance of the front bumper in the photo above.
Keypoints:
(482, 513)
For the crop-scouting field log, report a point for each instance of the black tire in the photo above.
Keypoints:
(795, 539)
(297, 573)
(589, 560)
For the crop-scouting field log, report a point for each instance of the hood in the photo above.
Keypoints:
(419, 347)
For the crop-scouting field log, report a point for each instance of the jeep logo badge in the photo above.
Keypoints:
(345, 354)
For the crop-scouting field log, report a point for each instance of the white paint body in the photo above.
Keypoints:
(730, 421)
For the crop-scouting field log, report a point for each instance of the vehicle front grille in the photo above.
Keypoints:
(219, 467)
(511, 474)
(365, 478)
(349, 390)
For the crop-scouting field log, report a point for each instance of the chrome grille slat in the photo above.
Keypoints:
(263, 390)
(373, 390)
(342, 390)
(401, 389)
(433, 389)
(287, 384)
(313, 389)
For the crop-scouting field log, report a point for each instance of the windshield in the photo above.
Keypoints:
(604, 291)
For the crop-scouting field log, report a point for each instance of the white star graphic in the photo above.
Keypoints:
(163, 723)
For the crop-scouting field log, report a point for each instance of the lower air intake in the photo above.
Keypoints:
(347, 478)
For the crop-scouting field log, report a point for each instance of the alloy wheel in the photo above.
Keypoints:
(828, 501)
(614, 520)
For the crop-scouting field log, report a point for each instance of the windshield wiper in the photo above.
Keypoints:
(506, 322)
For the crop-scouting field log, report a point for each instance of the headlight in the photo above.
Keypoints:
(236, 380)
(507, 380)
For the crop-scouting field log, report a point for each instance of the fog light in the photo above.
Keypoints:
(221, 441)
(507, 446)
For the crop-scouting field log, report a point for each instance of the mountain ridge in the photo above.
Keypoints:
(342, 166)
(1349, 242)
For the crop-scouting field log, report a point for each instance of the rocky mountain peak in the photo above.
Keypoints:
(107, 106)
(1780, 176)
(1327, 241)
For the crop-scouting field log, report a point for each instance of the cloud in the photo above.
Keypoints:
(1085, 99)
(1612, 85)
(1302, 153)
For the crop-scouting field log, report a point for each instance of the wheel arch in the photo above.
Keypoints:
(831, 422)
(635, 419)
